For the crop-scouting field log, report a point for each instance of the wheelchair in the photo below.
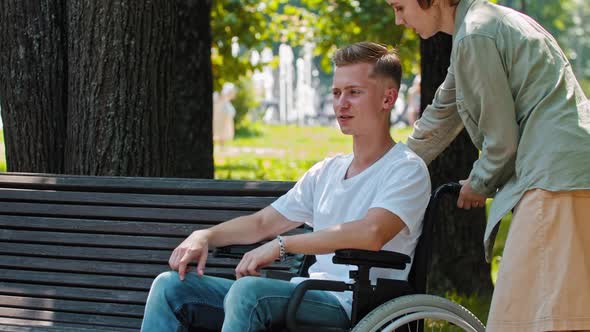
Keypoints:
(391, 305)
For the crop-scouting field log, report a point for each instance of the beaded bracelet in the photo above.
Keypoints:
(282, 253)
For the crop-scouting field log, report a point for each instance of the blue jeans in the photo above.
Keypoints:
(248, 304)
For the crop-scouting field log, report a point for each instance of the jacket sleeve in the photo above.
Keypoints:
(439, 124)
(488, 105)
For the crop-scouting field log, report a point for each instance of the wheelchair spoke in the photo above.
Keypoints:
(423, 313)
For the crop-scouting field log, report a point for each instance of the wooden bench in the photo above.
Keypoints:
(80, 252)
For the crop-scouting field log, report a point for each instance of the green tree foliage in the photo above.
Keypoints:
(340, 22)
(579, 41)
(553, 15)
(253, 25)
(328, 24)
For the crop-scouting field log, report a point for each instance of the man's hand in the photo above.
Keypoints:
(256, 259)
(469, 198)
(193, 249)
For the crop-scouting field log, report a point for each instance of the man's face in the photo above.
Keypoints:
(359, 99)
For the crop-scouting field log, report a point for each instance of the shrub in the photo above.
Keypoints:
(245, 101)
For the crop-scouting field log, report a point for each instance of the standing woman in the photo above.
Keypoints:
(511, 86)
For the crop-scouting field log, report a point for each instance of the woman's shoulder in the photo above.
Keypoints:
(483, 18)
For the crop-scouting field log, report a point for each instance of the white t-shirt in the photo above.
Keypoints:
(398, 182)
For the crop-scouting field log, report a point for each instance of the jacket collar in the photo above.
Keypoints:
(462, 9)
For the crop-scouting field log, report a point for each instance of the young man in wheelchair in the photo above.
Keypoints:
(372, 199)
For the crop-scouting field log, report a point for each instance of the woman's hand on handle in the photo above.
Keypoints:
(468, 197)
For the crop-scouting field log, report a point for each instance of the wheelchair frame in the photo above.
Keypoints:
(389, 301)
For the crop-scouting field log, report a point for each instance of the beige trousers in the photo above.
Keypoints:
(544, 278)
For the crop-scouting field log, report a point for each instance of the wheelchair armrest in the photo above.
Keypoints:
(383, 258)
(297, 297)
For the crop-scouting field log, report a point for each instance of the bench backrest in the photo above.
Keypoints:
(83, 251)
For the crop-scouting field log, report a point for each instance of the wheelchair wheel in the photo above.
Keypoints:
(438, 314)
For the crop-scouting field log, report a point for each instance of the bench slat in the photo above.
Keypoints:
(118, 212)
(74, 293)
(100, 226)
(143, 228)
(28, 325)
(74, 266)
(66, 317)
(115, 254)
(138, 184)
(104, 254)
(107, 268)
(96, 240)
(129, 310)
(122, 199)
(76, 279)
(54, 251)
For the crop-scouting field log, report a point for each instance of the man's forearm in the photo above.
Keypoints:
(240, 230)
(354, 235)
(249, 229)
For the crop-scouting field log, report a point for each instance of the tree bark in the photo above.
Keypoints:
(32, 81)
(107, 88)
(191, 120)
(458, 258)
(119, 77)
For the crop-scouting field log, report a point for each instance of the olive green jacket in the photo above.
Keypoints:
(513, 89)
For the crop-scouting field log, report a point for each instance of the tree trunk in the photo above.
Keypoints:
(32, 81)
(458, 258)
(90, 87)
(191, 120)
(119, 81)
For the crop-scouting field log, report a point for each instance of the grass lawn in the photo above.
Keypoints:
(281, 152)
(2, 154)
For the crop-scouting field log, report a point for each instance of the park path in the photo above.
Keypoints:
(229, 151)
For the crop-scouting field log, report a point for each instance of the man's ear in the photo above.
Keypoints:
(390, 98)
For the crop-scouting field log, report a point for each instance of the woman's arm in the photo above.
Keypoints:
(487, 101)
(439, 124)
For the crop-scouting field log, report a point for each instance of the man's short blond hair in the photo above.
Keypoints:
(386, 62)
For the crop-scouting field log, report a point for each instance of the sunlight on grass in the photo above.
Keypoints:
(500, 240)
(499, 246)
(2, 153)
(284, 153)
